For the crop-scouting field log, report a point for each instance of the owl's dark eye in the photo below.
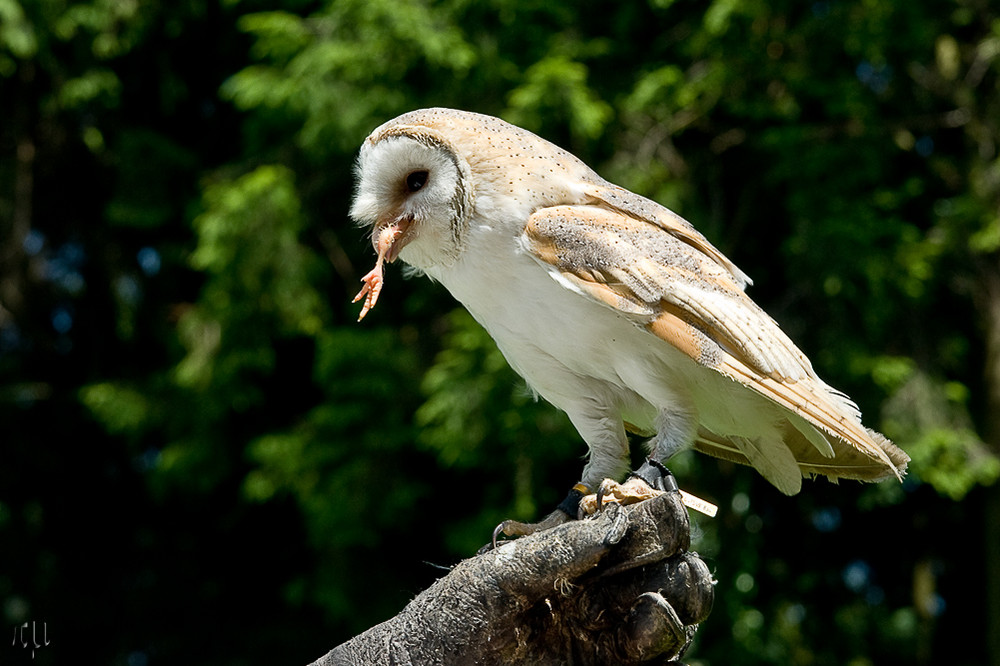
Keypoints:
(415, 180)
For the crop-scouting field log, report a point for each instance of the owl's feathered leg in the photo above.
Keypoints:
(676, 429)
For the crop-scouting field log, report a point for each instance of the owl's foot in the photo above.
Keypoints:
(634, 490)
(513, 528)
(567, 510)
(647, 482)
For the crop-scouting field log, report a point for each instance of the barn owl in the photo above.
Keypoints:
(612, 307)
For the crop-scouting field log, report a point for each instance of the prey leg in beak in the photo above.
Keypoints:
(387, 243)
(372, 288)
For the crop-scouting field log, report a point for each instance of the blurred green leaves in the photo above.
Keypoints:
(930, 419)
(17, 35)
(349, 63)
(334, 461)
(146, 193)
(466, 384)
(121, 409)
(248, 243)
(556, 87)
(260, 279)
(259, 291)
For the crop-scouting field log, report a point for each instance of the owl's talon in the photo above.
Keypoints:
(606, 488)
(496, 532)
(514, 528)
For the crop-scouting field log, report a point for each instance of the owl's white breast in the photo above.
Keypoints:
(568, 348)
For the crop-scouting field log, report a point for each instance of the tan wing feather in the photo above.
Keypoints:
(810, 400)
(632, 205)
(696, 303)
(651, 272)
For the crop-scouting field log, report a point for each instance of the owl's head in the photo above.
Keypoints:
(415, 191)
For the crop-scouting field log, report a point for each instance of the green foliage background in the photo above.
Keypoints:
(206, 460)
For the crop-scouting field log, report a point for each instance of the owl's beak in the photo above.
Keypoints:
(390, 236)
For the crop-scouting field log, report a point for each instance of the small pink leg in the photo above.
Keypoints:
(371, 289)
(385, 238)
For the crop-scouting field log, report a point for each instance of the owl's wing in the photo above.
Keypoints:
(618, 199)
(684, 295)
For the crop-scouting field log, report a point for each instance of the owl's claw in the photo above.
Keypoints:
(497, 531)
(567, 511)
(604, 489)
(649, 481)
(513, 528)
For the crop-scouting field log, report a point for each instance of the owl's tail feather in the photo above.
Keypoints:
(775, 458)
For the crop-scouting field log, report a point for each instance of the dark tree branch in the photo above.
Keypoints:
(618, 588)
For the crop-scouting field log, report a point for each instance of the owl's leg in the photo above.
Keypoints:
(608, 444)
(676, 428)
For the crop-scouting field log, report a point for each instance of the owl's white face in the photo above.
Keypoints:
(414, 190)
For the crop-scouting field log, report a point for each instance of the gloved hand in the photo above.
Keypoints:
(619, 587)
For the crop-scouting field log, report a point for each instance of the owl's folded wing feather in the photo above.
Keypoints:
(618, 199)
(681, 292)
